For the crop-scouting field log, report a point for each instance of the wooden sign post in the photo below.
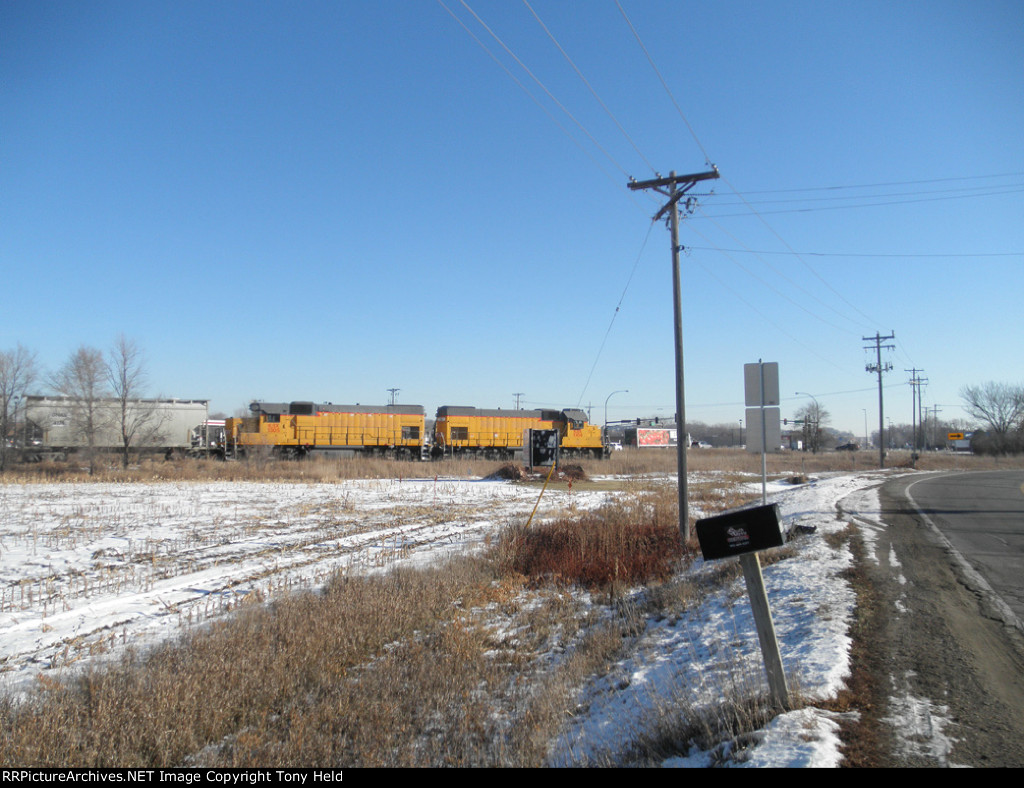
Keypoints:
(742, 533)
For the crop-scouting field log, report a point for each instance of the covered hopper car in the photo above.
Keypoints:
(297, 429)
(56, 426)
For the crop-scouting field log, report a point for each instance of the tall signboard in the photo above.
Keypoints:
(764, 430)
(764, 417)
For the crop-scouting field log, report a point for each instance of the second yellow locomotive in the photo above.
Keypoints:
(499, 433)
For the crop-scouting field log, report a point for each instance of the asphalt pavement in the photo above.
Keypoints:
(981, 513)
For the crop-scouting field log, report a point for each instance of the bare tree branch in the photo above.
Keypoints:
(999, 406)
(18, 371)
(82, 381)
(138, 421)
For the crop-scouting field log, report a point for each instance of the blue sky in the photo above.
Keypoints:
(326, 200)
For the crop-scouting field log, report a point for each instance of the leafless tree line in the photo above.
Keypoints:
(999, 408)
(102, 391)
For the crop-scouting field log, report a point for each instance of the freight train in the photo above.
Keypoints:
(52, 427)
(298, 429)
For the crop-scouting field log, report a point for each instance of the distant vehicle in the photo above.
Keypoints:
(848, 447)
(702, 445)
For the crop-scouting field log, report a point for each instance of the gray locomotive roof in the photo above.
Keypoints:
(415, 410)
(498, 413)
(285, 408)
(547, 415)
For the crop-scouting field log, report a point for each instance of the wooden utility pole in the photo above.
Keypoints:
(675, 187)
(880, 368)
(915, 417)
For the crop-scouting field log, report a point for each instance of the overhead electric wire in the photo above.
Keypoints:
(775, 290)
(526, 90)
(664, 84)
(779, 273)
(1015, 190)
(966, 191)
(633, 196)
(897, 255)
(886, 183)
(589, 86)
(768, 320)
(543, 87)
(615, 314)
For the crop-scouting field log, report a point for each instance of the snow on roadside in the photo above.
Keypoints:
(683, 666)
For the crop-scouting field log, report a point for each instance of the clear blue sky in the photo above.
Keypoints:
(325, 200)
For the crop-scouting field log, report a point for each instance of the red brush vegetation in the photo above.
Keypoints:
(596, 550)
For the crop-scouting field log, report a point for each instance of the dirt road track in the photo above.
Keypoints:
(954, 667)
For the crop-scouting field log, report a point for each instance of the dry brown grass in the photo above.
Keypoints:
(462, 664)
(255, 468)
(627, 542)
(635, 462)
(469, 663)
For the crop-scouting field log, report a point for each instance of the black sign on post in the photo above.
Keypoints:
(736, 533)
(742, 533)
(540, 448)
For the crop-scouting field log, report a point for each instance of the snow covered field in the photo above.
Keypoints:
(86, 569)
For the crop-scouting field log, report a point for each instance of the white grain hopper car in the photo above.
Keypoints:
(55, 424)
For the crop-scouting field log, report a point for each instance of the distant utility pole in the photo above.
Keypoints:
(935, 423)
(517, 395)
(394, 394)
(879, 367)
(674, 187)
(915, 417)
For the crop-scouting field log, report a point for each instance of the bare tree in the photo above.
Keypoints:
(814, 417)
(998, 406)
(138, 422)
(82, 381)
(18, 372)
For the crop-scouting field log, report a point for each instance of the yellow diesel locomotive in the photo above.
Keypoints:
(297, 429)
(499, 433)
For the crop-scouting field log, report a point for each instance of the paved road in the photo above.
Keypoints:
(946, 653)
(982, 515)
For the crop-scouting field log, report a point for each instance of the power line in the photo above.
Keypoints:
(871, 204)
(537, 101)
(885, 183)
(1007, 188)
(664, 84)
(861, 254)
(783, 276)
(589, 86)
(542, 86)
(615, 314)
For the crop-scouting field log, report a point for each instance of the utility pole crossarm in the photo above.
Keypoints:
(674, 180)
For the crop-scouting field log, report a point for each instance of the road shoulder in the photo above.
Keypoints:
(949, 671)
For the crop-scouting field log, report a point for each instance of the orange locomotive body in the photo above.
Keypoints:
(302, 428)
(499, 433)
